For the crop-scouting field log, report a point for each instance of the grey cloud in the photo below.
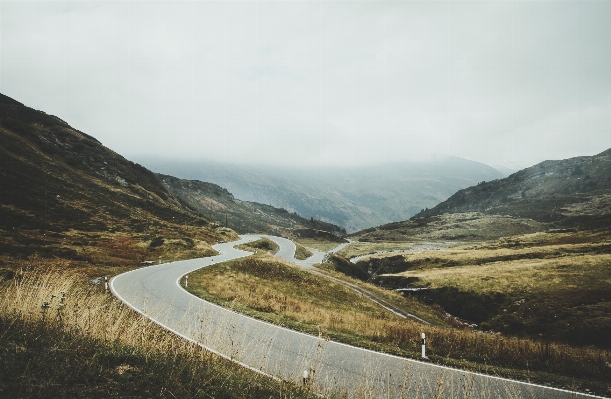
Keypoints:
(318, 82)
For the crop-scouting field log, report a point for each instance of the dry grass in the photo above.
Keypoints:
(468, 226)
(367, 248)
(522, 275)
(548, 294)
(100, 252)
(271, 290)
(85, 343)
(269, 285)
(318, 245)
(302, 253)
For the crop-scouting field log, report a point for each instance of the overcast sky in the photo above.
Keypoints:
(327, 82)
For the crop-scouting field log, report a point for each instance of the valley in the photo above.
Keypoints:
(512, 274)
(355, 198)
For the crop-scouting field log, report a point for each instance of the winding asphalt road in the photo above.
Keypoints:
(276, 351)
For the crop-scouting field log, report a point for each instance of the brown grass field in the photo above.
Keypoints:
(554, 287)
(272, 290)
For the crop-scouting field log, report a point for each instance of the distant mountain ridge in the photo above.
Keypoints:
(552, 196)
(563, 192)
(351, 197)
(218, 204)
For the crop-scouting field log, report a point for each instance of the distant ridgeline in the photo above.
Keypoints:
(566, 193)
(218, 204)
(354, 197)
(552, 196)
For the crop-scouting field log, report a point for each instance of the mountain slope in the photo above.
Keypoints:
(352, 197)
(567, 192)
(56, 180)
(570, 193)
(242, 216)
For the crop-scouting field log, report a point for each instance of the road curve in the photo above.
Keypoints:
(276, 351)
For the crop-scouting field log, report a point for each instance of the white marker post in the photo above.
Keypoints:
(187, 281)
(423, 346)
(159, 261)
(106, 283)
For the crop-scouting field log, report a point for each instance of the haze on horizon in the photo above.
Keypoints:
(505, 83)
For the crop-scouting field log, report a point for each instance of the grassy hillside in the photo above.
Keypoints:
(566, 193)
(65, 195)
(573, 193)
(220, 205)
(550, 286)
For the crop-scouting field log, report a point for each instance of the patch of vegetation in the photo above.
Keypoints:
(323, 246)
(156, 242)
(395, 282)
(301, 252)
(344, 266)
(472, 306)
(264, 243)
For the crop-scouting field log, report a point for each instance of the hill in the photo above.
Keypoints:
(552, 195)
(565, 193)
(352, 197)
(220, 205)
(65, 195)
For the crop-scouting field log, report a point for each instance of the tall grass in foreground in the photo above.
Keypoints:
(60, 337)
(90, 345)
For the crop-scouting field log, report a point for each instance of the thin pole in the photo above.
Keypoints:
(44, 219)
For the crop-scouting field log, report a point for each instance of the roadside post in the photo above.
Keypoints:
(106, 283)
(423, 346)
(187, 281)
(159, 261)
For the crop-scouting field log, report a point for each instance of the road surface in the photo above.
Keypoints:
(155, 292)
